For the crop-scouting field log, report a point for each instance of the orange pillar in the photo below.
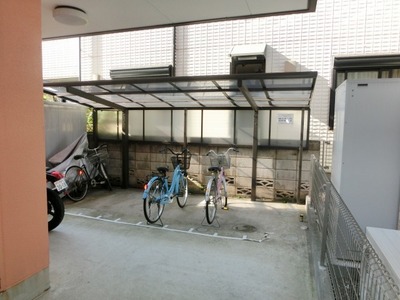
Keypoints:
(24, 254)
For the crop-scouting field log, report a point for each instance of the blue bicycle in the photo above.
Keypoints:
(158, 193)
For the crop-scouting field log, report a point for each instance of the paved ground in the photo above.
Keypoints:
(105, 250)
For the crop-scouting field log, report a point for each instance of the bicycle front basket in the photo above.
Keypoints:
(100, 155)
(220, 160)
(178, 159)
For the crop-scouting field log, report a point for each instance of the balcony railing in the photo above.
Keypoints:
(355, 270)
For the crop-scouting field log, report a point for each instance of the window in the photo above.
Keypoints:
(361, 67)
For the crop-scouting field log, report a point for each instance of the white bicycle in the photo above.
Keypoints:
(216, 193)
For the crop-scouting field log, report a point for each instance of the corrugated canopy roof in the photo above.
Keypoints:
(256, 91)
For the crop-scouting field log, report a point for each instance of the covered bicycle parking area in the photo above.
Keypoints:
(256, 112)
(272, 232)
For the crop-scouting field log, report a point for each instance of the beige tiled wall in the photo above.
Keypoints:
(277, 170)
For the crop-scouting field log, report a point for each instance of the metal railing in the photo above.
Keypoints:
(355, 270)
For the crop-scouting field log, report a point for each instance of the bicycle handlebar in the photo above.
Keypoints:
(175, 153)
(226, 152)
(91, 152)
(97, 148)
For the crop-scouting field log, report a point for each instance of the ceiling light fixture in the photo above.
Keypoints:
(70, 15)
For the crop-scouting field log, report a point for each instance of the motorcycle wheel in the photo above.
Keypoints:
(55, 209)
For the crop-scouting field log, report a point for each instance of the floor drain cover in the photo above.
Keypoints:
(245, 228)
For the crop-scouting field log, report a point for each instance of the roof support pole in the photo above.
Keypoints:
(254, 158)
(253, 104)
(185, 139)
(95, 127)
(125, 149)
(185, 128)
(300, 156)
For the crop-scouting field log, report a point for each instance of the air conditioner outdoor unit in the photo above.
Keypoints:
(248, 59)
(142, 72)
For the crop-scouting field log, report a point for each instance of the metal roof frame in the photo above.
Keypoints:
(255, 91)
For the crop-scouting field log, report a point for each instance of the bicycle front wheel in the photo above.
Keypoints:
(182, 196)
(224, 195)
(78, 183)
(152, 207)
(211, 200)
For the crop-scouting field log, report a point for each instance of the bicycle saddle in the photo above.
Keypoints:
(79, 156)
(213, 169)
(162, 170)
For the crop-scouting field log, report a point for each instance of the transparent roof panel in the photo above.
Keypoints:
(216, 103)
(289, 95)
(115, 98)
(187, 104)
(120, 88)
(227, 84)
(140, 97)
(174, 97)
(284, 83)
(91, 89)
(155, 87)
(159, 104)
(132, 105)
(195, 85)
(86, 102)
(57, 90)
(208, 96)
(291, 103)
(253, 84)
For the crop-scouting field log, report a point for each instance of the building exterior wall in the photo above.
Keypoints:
(298, 42)
(24, 246)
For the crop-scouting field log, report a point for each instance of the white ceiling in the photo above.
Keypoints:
(117, 15)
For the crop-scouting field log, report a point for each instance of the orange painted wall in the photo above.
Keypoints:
(23, 214)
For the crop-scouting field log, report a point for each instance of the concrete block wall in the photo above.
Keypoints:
(277, 169)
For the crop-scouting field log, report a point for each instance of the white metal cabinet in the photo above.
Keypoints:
(366, 150)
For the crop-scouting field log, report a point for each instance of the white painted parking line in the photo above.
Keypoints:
(165, 227)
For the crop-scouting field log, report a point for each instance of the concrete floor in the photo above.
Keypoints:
(104, 249)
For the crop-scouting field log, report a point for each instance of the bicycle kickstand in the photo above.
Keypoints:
(156, 223)
(212, 224)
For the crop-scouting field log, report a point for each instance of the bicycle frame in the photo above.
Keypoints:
(172, 190)
(91, 175)
(220, 178)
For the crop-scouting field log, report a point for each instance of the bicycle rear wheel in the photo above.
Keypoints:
(181, 198)
(104, 176)
(211, 200)
(78, 183)
(152, 207)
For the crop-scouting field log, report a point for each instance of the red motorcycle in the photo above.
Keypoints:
(56, 186)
